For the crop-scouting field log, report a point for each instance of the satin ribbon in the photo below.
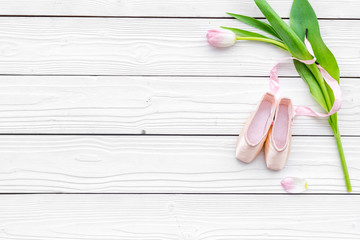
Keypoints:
(333, 84)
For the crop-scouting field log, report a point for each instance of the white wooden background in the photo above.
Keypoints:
(119, 121)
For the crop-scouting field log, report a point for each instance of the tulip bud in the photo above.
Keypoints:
(221, 38)
(294, 185)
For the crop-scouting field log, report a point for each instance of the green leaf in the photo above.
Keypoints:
(256, 24)
(295, 45)
(309, 78)
(244, 33)
(302, 17)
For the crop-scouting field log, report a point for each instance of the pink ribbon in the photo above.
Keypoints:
(304, 110)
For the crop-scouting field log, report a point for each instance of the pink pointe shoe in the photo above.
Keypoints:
(253, 135)
(278, 142)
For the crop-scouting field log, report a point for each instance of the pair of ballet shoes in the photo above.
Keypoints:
(269, 125)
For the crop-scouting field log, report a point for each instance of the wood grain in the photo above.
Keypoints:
(164, 164)
(169, 8)
(139, 73)
(154, 105)
(110, 46)
(170, 217)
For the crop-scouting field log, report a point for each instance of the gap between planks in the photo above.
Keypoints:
(183, 193)
(155, 134)
(169, 8)
(156, 17)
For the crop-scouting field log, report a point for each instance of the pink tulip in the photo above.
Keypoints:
(294, 185)
(221, 38)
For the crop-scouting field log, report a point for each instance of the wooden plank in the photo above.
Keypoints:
(154, 105)
(169, 8)
(170, 217)
(110, 46)
(164, 164)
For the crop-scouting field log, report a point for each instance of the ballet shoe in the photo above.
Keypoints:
(278, 141)
(253, 135)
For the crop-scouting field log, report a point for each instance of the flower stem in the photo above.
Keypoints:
(316, 72)
(333, 123)
(341, 154)
(268, 40)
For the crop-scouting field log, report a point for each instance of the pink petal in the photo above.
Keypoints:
(294, 185)
(221, 37)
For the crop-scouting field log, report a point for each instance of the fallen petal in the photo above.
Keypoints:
(294, 185)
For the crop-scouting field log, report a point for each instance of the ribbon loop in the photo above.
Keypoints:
(304, 110)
